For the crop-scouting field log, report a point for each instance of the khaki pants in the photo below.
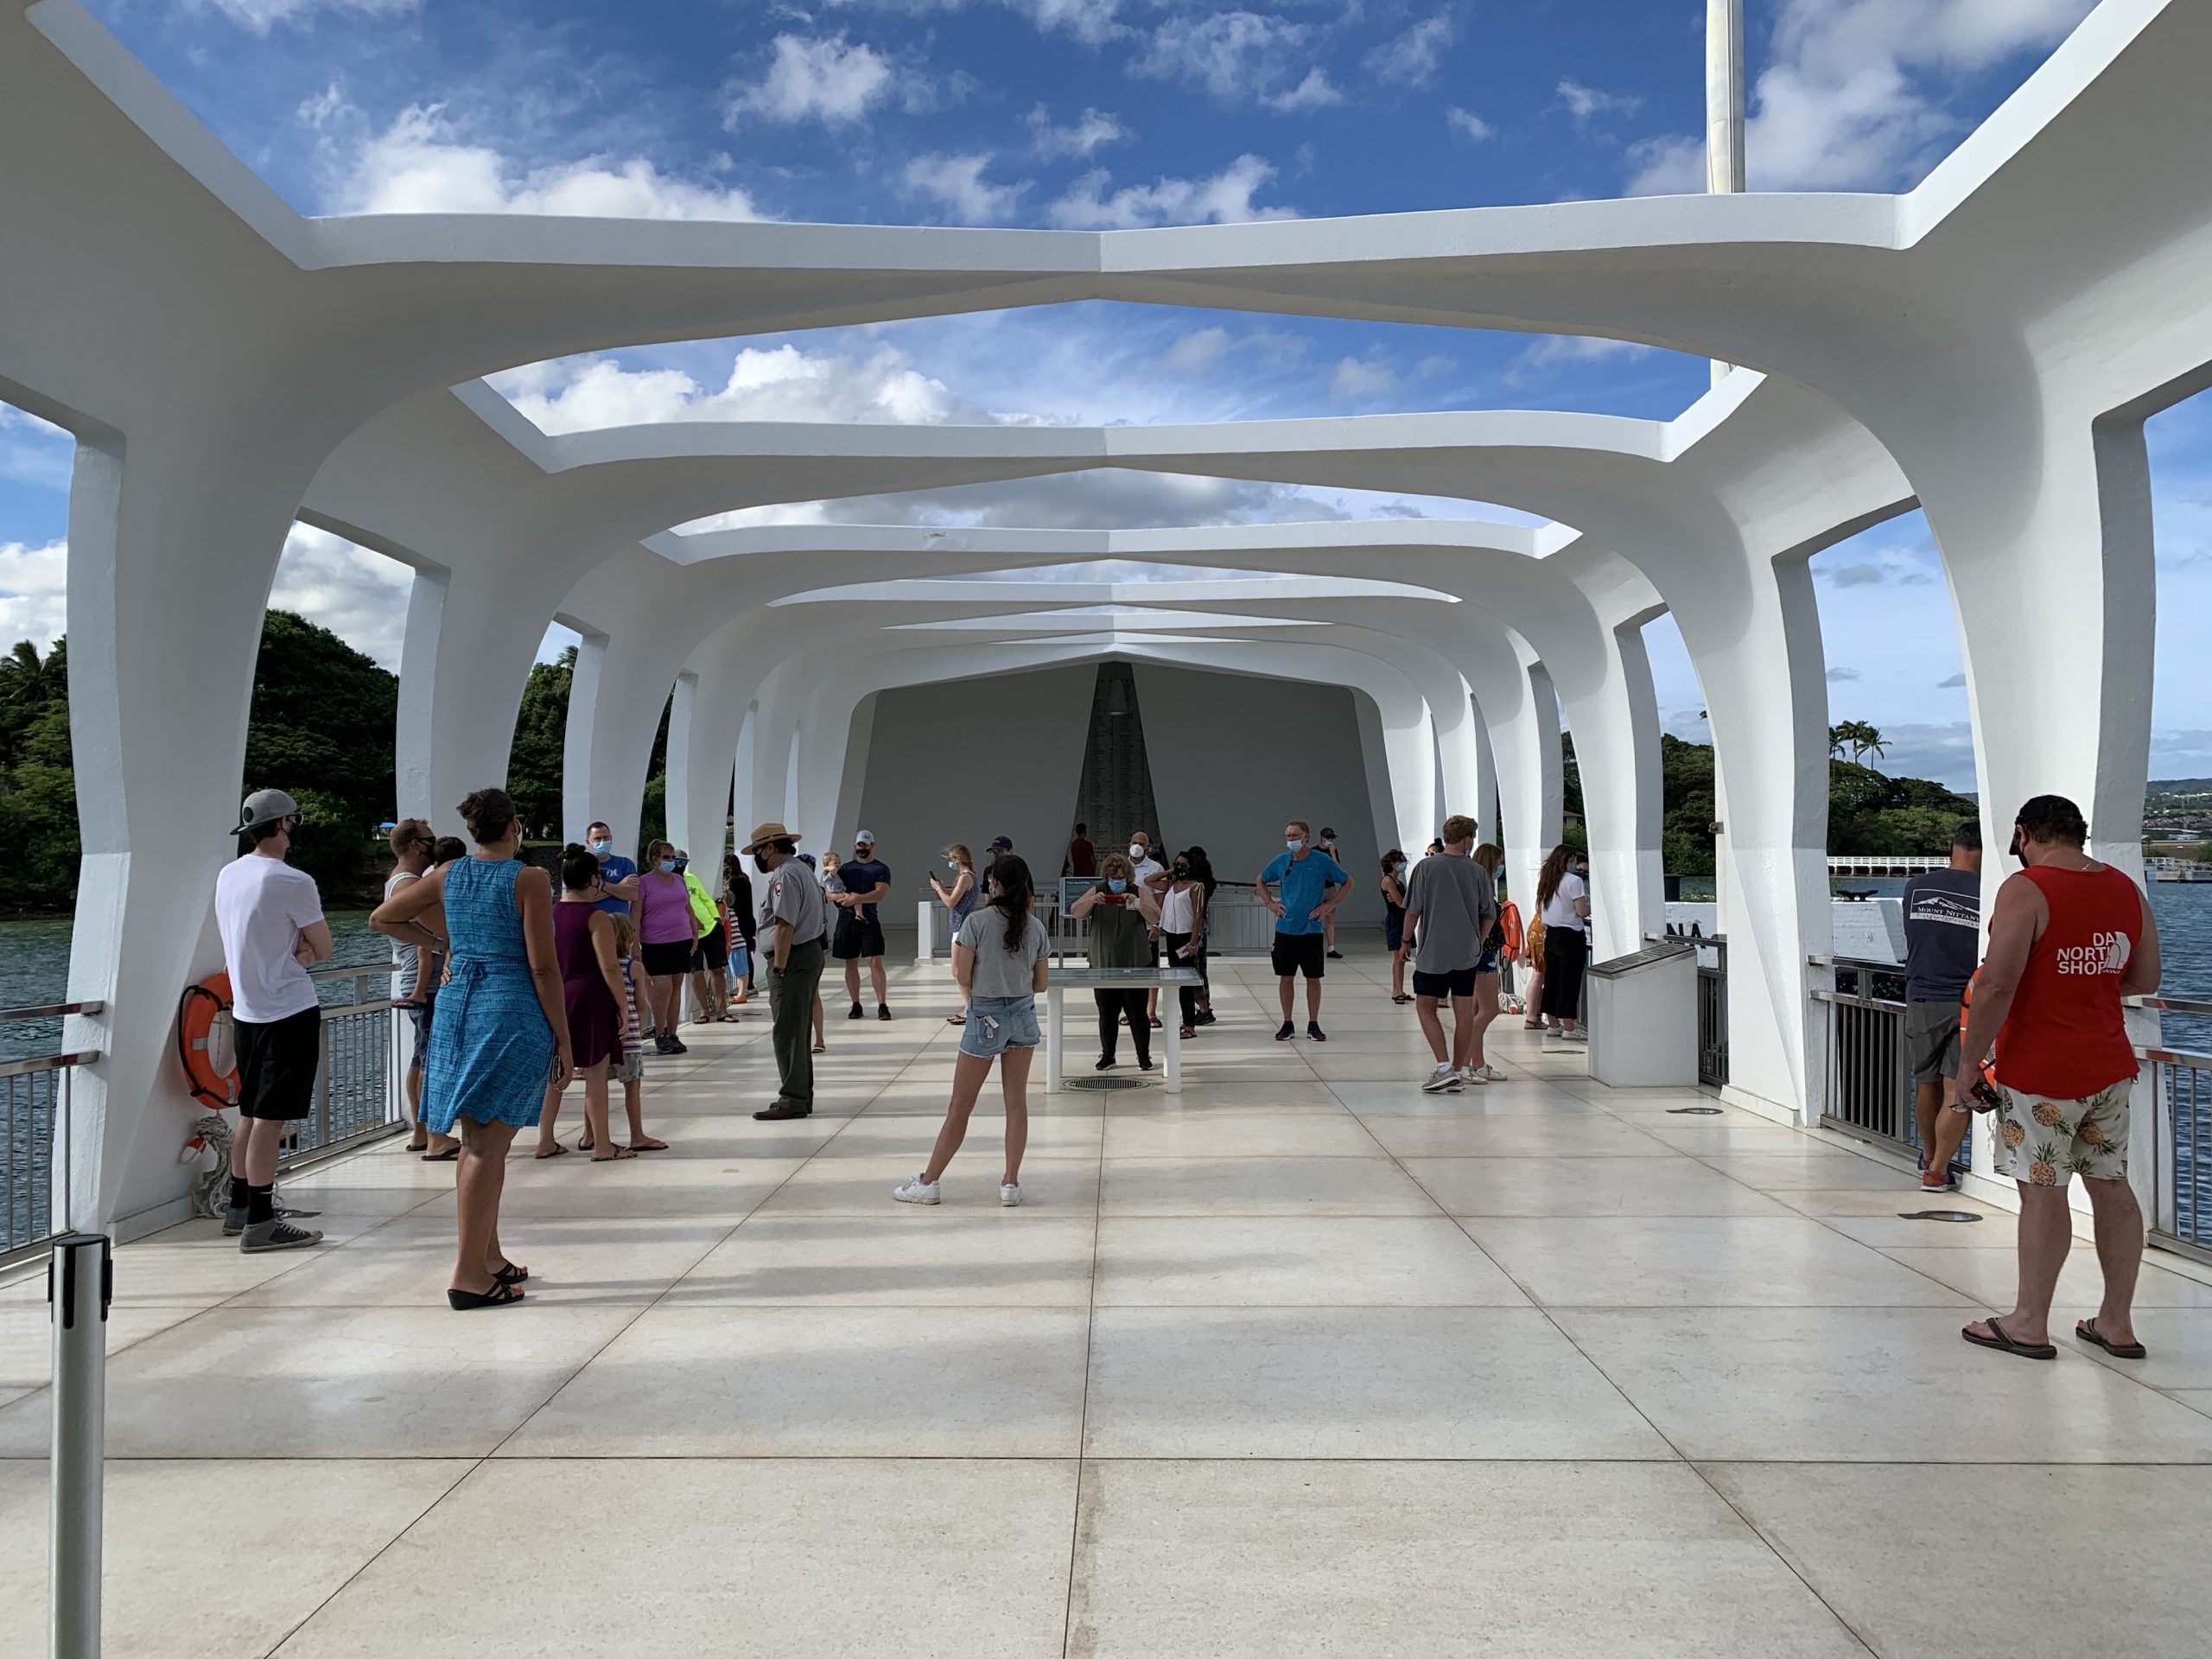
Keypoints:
(791, 1003)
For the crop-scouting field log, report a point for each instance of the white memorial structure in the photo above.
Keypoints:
(1987, 347)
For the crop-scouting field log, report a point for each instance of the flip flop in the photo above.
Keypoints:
(451, 1154)
(2087, 1331)
(615, 1156)
(2005, 1344)
(649, 1144)
(558, 1148)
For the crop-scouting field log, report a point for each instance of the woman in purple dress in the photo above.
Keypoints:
(591, 985)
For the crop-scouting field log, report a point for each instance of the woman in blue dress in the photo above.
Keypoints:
(502, 1031)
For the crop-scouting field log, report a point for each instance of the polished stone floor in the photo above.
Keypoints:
(1305, 1362)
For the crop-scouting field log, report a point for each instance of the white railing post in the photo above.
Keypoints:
(79, 1283)
(925, 927)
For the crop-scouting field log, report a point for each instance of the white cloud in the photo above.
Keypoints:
(359, 595)
(775, 383)
(1356, 379)
(1586, 103)
(421, 164)
(1465, 123)
(1225, 199)
(1838, 676)
(1847, 103)
(33, 451)
(829, 79)
(1196, 352)
(1240, 56)
(1412, 58)
(1550, 352)
(34, 589)
(259, 17)
(1083, 137)
(957, 181)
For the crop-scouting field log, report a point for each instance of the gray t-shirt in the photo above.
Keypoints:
(790, 893)
(998, 971)
(1456, 900)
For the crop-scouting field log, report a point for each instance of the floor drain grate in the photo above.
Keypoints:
(1938, 1215)
(1694, 1111)
(1107, 1083)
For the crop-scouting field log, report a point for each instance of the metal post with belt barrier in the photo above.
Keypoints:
(80, 1284)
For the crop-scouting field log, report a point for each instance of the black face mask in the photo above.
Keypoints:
(1182, 870)
(2018, 848)
(760, 863)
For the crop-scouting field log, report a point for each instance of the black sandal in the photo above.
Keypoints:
(2005, 1344)
(2086, 1330)
(512, 1273)
(502, 1293)
(451, 1154)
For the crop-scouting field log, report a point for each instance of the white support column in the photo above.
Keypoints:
(1530, 786)
(415, 740)
(744, 810)
(1617, 752)
(580, 790)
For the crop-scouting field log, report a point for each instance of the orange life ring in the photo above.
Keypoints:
(1509, 918)
(205, 1042)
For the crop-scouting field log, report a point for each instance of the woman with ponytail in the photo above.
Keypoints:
(999, 958)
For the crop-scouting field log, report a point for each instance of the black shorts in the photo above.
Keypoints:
(669, 960)
(856, 937)
(1393, 930)
(276, 1065)
(1298, 953)
(713, 949)
(1460, 981)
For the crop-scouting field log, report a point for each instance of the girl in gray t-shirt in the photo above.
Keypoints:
(999, 959)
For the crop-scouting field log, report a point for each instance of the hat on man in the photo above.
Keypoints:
(769, 831)
(1000, 844)
(863, 838)
(265, 806)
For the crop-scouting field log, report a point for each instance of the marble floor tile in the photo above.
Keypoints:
(332, 1382)
(695, 1382)
(1350, 1383)
(1348, 1561)
(1296, 1261)
(1992, 1278)
(976, 1254)
(1877, 1384)
(1878, 1542)
(27, 1336)
(1583, 1186)
(755, 1559)
(1699, 1261)
(293, 1532)
(1261, 1186)
(1239, 1134)
(862, 1186)
(1505, 1138)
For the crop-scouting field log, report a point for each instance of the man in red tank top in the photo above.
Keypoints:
(2067, 940)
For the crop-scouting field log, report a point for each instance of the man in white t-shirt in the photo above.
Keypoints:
(270, 917)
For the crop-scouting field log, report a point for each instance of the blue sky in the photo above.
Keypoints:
(1106, 112)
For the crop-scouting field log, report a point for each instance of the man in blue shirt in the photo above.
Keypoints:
(1942, 946)
(618, 874)
(867, 882)
(1302, 888)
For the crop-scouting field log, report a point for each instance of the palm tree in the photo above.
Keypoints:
(29, 682)
(1866, 740)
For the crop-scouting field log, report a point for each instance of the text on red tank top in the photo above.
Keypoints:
(2065, 1036)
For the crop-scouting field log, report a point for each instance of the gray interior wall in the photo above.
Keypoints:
(967, 759)
(1233, 756)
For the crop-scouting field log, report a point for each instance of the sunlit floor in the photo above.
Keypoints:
(1305, 1362)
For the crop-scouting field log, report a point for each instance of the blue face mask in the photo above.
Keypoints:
(666, 866)
(602, 848)
(1115, 884)
(683, 864)
(1294, 844)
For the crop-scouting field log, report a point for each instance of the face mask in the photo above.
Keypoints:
(863, 852)
(1136, 851)
(1399, 868)
(602, 848)
(1293, 843)
(1115, 884)
(760, 862)
(681, 865)
(951, 863)
(1182, 870)
(666, 866)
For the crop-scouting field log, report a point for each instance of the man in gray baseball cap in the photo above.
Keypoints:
(270, 917)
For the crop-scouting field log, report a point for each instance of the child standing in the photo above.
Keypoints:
(630, 1069)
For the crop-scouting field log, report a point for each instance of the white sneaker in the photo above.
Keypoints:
(916, 1190)
(1440, 1079)
(1473, 1074)
(1578, 1035)
(1490, 1073)
(1010, 1193)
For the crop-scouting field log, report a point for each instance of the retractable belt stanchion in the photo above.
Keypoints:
(80, 1282)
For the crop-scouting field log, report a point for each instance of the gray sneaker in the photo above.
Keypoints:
(235, 1218)
(1440, 1079)
(277, 1234)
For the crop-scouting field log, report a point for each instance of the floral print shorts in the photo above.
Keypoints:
(2046, 1142)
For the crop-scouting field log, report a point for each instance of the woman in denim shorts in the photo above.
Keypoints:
(999, 957)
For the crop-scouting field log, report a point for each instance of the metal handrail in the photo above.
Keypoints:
(52, 1011)
(2170, 1004)
(47, 1063)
